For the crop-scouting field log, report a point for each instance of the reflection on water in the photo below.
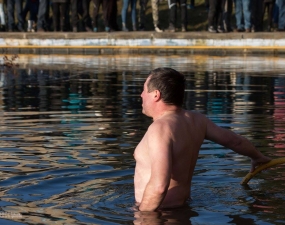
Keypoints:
(69, 126)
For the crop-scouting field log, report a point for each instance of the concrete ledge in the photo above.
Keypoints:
(141, 42)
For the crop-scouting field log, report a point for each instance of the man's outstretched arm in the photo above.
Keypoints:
(235, 142)
(160, 152)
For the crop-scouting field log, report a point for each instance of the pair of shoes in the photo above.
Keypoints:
(220, 30)
(88, 29)
(31, 26)
(134, 28)
(228, 29)
(183, 28)
(239, 30)
(124, 27)
(211, 29)
(171, 28)
(141, 28)
(21, 29)
(107, 29)
(74, 29)
(95, 29)
(247, 30)
(280, 30)
(2, 28)
(157, 29)
(40, 30)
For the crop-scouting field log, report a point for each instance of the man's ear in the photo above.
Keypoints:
(157, 95)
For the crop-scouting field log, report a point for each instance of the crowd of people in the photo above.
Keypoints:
(66, 15)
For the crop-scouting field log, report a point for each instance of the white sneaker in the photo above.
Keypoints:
(157, 29)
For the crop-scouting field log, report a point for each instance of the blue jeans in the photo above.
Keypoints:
(243, 14)
(281, 18)
(125, 10)
(11, 5)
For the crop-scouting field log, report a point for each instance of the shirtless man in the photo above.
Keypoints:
(167, 154)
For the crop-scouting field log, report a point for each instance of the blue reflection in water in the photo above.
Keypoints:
(68, 133)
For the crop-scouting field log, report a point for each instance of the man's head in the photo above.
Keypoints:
(170, 83)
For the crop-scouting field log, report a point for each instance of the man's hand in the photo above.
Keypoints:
(259, 161)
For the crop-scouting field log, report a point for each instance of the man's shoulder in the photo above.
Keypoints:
(194, 114)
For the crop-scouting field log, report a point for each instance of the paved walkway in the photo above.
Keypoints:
(142, 42)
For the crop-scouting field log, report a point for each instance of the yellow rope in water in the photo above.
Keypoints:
(273, 162)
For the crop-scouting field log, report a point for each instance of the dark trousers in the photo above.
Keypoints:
(269, 6)
(11, 5)
(43, 18)
(111, 15)
(142, 16)
(256, 15)
(227, 12)
(173, 12)
(80, 7)
(215, 15)
(97, 4)
(31, 7)
(58, 16)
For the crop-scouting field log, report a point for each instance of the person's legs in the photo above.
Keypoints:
(281, 17)
(212, 15)
(42, 15)
(96, 8)
(142, 10)
(74, 15)
(155, 15)
(247, 14)
(107, 14)
(172, 15)
(2, 15)
(62, 9)
(270, 15)
(257, 15)
(275, 14)
(26, 9)
(34, 11)
(124, 11)
(124, 14)
(238, 14)
(19, 11)
(10, 12)
(227, 12)
(111, 9)
(134, 14)
(86, 16)
(183, 11)
(264, 7)
(220, 11)
(55, 16)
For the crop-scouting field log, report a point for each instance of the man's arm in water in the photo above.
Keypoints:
(235, 142)
(160, 155)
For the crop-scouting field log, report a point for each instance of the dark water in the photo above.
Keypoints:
(69, 126)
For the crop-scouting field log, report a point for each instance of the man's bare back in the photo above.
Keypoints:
(186, 132)
(167, 154)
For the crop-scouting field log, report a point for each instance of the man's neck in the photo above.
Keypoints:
(166, 110)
